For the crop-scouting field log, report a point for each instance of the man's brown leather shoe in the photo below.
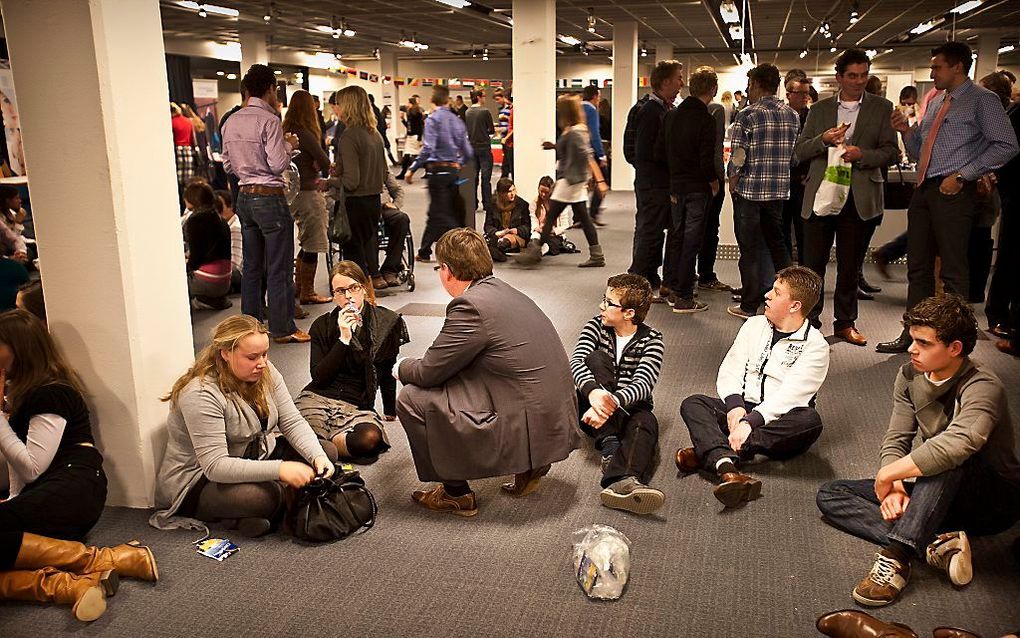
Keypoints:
(952, 632)
(851, 623)
(1005, 346)
(298, 337)
(736, 488)
(438, 500)
(526, 482)
(687, 461)
(851, 335)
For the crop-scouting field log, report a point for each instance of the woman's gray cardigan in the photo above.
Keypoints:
(208, 434)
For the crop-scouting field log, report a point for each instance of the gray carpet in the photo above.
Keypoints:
(768, 569)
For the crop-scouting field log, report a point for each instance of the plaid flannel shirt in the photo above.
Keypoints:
(761, 144)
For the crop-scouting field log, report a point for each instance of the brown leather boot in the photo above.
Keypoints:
(86, 594)
(526, 482)
(306, 284)
(851, 623)
(130, 560)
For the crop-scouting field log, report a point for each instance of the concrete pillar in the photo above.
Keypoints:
(625, 94)
(663, 50)
(987, 55)
(253, 49)
(534, 90)
(391, 97)
(104, 198)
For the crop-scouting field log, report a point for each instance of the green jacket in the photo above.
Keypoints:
(980, 422)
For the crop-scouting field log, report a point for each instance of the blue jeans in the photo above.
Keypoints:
(684, 243)
(483, 174)
(759, 229)
(267, 230)
(970, 497)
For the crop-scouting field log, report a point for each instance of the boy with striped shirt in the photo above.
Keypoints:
(615, 365)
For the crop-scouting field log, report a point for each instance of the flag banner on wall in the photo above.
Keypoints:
(363, 75)
(481, 83)
(593, 83)
(352, 72)
(607, 83)
(576, 83)
(372, 77)
(413, 82)
(387, 79)
(643, 81)
(399, 82)
(468, 84)
(427, 82)
(455, 83)
(497, 84)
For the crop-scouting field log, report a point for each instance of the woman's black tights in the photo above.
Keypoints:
(234, 501)
(580, 214)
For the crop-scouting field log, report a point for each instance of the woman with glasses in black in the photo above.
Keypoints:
(354, 348)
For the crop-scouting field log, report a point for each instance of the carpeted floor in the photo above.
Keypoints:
(767, 569)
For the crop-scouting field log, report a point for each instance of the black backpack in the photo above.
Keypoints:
(630, 131)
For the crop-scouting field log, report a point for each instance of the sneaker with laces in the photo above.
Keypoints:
(950, 552)
(883, 583)
(739, 312)
(631, 495)
(715, 285)
(688, 306)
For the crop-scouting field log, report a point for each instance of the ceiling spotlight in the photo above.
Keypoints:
(376, 53)
(643, 51)
(231, 76)
(337, 55)
(485, 53)
(832, 49)
(855, 13)
(347, 30)
(278, 72)
(803, 54)
(201, 12)
(872, 53)
(728, 11)
(736, 32)
(269, 12)
(591, 20)
(220, 73)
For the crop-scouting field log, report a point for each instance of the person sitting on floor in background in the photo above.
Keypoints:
(615, 365)
(507, 221)
(13, 276)
(492, 394)
(354, 348)
(30, 298)
(207, 238)
(235, 438)
(397, 226)
(57, 483)
(13, 216)
(558, 242)
(226, 209)
(767, 386)
(968, 475)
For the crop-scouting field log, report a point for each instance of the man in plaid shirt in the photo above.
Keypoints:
(763, 138)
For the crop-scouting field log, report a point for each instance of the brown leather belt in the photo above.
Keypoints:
(260, 189)
(432, 165)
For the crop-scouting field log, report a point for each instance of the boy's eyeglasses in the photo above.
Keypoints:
(609, 304)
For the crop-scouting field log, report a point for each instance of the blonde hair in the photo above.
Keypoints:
(301, 114)
(726, 97)
(354, 107)
(226, 335)
(568, 111)
(354, 271)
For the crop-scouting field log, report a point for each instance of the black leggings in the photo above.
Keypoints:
(580, 214)
(308, 258)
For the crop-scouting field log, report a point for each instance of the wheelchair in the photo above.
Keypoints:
(406, 273)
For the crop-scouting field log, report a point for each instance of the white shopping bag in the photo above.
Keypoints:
(835, 185)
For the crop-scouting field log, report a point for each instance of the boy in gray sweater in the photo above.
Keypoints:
(966, 469)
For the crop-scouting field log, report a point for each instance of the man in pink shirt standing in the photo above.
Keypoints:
(257, 151)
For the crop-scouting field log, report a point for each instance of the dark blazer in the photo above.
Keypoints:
(689, 143)
(650, 170)
(520, 218)
(496, 389)
(873, 133)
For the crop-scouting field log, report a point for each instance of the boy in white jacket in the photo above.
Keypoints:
(767, 385)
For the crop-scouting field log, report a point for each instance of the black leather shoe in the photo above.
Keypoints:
(864, 295)
(863, 284)
(896, 346)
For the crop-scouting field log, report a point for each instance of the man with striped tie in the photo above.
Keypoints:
(964, 134)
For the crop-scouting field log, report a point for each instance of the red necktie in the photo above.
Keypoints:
(929, 142)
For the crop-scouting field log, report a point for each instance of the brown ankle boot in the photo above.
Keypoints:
(86, 594)
(130, 560)
(306, 284)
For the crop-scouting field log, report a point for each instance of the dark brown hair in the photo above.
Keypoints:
(949, 316)
(354, 271)
(766, 76)
(465, 253)
(955, 53)
(805, 286)
(664, 69)
(703, 81)
(200, 195)
(635, 293)
(851, 56)
(998, 84)
(31, 297)
(38, 359)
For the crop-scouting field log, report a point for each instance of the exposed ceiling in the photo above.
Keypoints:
(777, 31)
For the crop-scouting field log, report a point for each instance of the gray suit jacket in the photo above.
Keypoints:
(500, 394)
(875, 136)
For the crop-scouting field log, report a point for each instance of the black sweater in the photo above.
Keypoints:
(352, 373)
(208, 238)
(650, 170)
(689, 146)
(520, 218)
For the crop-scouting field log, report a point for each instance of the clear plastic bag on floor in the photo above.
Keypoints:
(601, 561)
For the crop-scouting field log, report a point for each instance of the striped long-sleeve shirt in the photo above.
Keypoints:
(637, 370)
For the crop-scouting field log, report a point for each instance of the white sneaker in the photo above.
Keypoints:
(950, 552)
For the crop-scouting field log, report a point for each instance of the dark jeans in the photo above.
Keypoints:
(650, 223)
(363, 248)
(483, 174)
(442, 214)
(636, 428)
(849, 231)
(709, 247)
(786, 437)
(869, 232)
(1004, 291)
(979, 257)
(580, 210)
(268, 252)
(507, 167)
(895, 248)
(970, 498)
(398, 226)
(757, 224)
(938, 225)
(685, 241)
(793, 223)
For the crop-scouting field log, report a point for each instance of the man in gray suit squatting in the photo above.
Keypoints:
(493, 394)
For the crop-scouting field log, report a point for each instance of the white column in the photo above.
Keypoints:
(391, 96)
(104, 197)
(987, 55)
(253, 49)
(663, 50)
(625, 79)
(534, 91)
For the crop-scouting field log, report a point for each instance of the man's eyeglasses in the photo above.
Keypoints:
(353, 288)
(609, 304)
(438, 267)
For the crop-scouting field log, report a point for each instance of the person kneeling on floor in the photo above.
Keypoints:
(968, 475)
(492, 394)
(767, 385)
(615, 364)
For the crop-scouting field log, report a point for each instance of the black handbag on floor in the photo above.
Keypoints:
(328, 509)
